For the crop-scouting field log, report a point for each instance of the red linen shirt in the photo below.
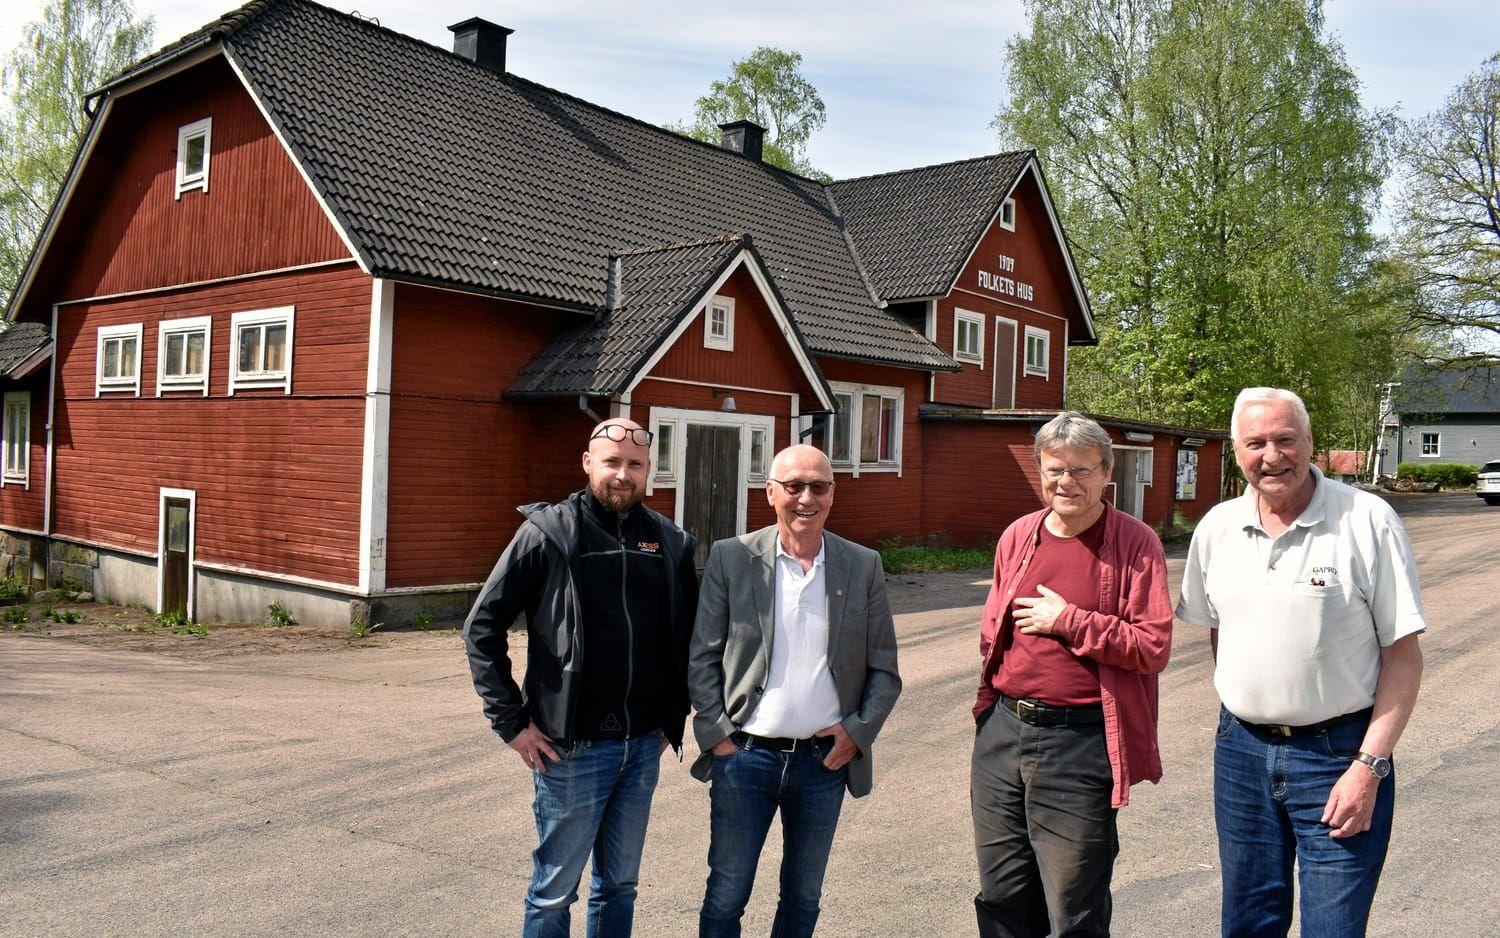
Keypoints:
(1044, 667)
(1129, 635)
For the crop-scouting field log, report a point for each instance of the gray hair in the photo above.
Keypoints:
(1251, 397)
(1072, 429)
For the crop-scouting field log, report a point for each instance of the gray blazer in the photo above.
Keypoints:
(730, 656)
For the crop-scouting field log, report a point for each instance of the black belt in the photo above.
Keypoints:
(1037, 713)
(1281, 729)
(777, 743)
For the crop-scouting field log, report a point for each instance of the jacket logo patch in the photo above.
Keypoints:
(649, 547)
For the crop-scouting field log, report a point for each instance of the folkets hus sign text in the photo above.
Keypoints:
(998, 282)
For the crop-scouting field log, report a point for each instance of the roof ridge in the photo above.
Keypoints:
(680, 245)
(918, 169)
(712, 147)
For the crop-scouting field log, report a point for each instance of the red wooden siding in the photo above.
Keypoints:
(277, 476)
(461, 458)
(982, 476)
(761, 357)
(126, 231)
(1038, 262)
(24, 505)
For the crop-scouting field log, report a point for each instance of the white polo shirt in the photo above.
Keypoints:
(800, 696)
(1302, 617)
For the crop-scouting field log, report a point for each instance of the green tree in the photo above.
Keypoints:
(1215, 172)
(71, 51)
(1450, 214)
(768, 88)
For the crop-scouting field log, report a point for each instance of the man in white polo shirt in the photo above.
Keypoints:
(1311, 590)
(792, 670)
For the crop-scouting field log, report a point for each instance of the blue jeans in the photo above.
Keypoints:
(595, 798)
(1269, 796)
(746, 791)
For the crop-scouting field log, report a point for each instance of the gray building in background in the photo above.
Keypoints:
(1439, 415)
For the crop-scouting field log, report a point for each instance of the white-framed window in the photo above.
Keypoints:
(1038, 351)
(669, 427)
(260, 349)
(865, 435)
(182, 348)
(968, 337)
(834, 433)
(760, 455)
(118, 366)
(718, 324)
(1008, 214)
(16, 453)
(1432, 444)
(192, 155)
(665, 463)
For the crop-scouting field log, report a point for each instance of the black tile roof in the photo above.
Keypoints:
(914, 229)
(651, 290)
(18, 342)
(1433, 389)
(445, 172)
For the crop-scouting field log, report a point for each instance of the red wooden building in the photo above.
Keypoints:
(320, 304)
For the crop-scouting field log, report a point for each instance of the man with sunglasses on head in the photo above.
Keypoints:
(792, 673)
(609, 590)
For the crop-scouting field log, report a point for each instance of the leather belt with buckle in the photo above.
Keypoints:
(1036, 713)
(1282, 729)
(774, 743)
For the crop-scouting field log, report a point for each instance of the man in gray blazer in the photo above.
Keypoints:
(792, 671)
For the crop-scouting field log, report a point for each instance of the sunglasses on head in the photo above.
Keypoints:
(616, 433)
(819, 487)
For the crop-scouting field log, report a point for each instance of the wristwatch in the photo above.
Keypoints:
(1379, 766)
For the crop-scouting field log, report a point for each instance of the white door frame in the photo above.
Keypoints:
(1140, 487)
(1015, 339)
(191, 496)
(717, 418)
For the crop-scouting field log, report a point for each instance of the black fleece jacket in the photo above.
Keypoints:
(540, 575)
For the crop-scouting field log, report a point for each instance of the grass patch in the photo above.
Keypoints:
(913, 558)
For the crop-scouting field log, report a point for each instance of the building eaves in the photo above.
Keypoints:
(958, 414)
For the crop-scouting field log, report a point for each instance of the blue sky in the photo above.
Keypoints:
(902, 88)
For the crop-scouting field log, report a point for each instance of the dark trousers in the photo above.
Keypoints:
(1044, 830)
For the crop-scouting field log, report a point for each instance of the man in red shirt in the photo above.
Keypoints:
(1077, 626)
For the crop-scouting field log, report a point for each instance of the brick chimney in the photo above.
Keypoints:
(743, 137)
(481, 42)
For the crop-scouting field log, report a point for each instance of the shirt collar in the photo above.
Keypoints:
(817, 561)
(1311, 515)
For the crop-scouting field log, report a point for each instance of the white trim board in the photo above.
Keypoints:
(742, 259)
(1034, 169)
(191, 496)
(375, 464)
(1005, 302)
(103, 297)
(234, 65)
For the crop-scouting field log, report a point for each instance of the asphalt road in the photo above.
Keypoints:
(194, 789)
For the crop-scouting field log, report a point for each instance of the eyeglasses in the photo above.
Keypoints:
(616, 433)
(1079, 473)
(819, 488)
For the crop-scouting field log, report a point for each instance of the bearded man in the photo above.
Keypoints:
(609, 592)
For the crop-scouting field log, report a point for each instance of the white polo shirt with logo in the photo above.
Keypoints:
(1302, 617)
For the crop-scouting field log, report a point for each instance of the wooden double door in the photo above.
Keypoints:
(712, 488)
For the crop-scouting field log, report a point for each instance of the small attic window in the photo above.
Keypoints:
(192, 156)
(718, 324)
(1008, 214)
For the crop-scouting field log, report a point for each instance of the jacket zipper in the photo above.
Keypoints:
(629, 625)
